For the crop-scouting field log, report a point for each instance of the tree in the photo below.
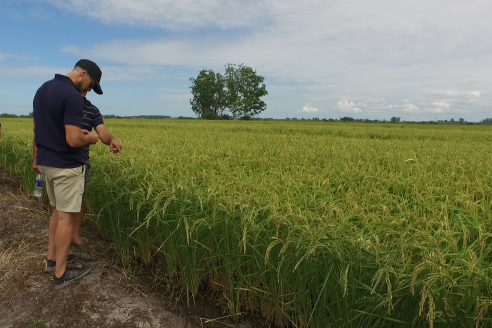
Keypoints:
(462, 120)
(452, 120)
(208, 91)
(395, 119)
(244, 88)
(5, 115)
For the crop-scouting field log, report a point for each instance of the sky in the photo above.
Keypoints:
(414, 59)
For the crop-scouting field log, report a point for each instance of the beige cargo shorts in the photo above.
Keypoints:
(65, 187)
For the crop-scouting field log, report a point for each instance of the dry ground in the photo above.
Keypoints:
(107, 297)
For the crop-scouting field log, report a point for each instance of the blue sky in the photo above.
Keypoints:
(416, 59)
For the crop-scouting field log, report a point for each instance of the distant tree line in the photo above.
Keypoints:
(5, 115)
(247, 117)
(236, 94)
(148, 117)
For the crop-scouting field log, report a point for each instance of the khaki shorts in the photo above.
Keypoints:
(65, 187)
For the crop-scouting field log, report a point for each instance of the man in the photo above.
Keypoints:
(91, 119)
(58, 156)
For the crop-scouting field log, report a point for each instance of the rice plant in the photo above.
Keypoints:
(310, 224)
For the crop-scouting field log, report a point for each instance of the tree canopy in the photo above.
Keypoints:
(208, 91)
(237, 93)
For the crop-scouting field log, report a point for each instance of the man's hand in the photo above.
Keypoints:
(35, 168)
(93, 137)
(115, 146)
(77, 137)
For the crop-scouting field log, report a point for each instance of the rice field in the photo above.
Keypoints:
(309, 224)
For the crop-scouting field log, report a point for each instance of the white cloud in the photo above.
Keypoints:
(271, 35)
(452, 101)
(347, 106)
(33, 71)
(411, 108)
(116, 73)
(309, 109)
(4, 56)
(443, 105)
(374, 105)
(110, 73)
(456, 94)
(170, 14)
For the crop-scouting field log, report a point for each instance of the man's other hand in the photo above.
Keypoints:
(115, 146)
(35, 168)
(93, 137)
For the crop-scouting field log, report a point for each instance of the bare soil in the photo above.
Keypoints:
(110, 296)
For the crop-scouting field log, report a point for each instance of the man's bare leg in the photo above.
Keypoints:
(77, 223)
(52, 232)
(63, 237)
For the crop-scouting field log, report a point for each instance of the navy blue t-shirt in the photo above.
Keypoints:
(91, 119)
(57, 103)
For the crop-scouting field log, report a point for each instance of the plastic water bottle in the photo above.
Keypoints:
(38, 186)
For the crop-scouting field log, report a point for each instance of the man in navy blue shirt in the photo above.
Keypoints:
(91, 119)
(59, 156)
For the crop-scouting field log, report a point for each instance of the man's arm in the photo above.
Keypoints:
(34, 151)
(104, 134)
(76, 137)
(108, 139)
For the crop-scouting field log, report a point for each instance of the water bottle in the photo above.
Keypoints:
(38, 186)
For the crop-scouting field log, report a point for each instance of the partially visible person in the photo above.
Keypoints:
(92, 119)
(58, 155)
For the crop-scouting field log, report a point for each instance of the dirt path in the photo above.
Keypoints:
(105, 298)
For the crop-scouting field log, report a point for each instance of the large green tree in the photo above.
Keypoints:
(208, 91)
(239, 90)
(244, 90)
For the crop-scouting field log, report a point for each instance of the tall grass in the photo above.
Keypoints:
(310, 224)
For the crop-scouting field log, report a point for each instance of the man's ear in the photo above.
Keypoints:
(82, 74)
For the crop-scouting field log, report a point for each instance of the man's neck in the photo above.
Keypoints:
(73, 76)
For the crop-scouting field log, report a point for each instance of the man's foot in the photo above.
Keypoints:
(82, 247)
(51, 265)
(70, 275)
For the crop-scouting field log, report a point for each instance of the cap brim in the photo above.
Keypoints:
(97, 88)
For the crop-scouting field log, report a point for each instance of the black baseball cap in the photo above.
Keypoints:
(94, 71)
